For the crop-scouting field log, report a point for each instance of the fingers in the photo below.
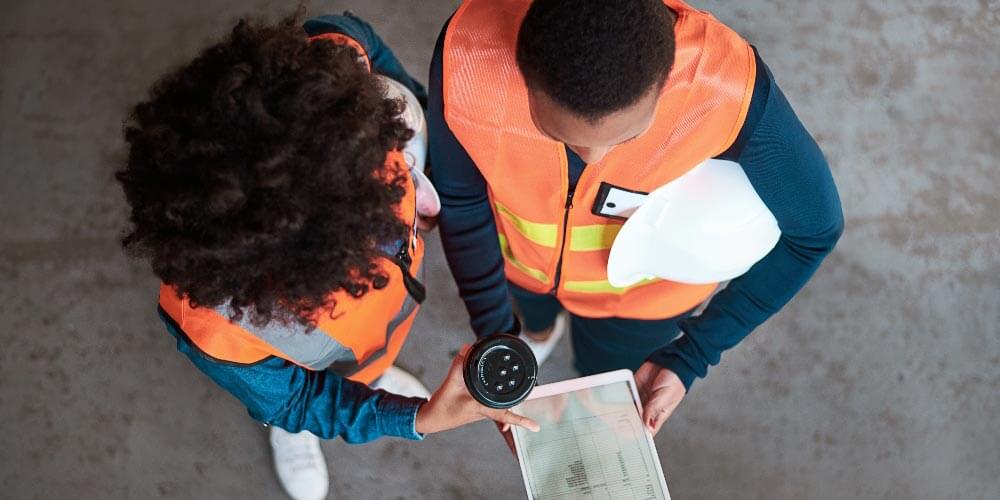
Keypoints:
(643, 394)
(645, 372)
(644, 378)
(426, 224)
(508, 437)
(509, 418)
(654, 419)
(657, 411)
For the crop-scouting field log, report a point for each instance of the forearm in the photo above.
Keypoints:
(789, 172)
(469, 238)
(330, 406)
(468, 230)
(743, 305)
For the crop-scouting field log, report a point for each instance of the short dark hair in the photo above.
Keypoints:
(256, 174)
(595, 57)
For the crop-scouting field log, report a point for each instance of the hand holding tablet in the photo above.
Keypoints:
(660, 390)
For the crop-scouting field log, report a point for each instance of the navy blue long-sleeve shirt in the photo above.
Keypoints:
(784, 165)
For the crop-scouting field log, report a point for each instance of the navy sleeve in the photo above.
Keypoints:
(789, 172)
(277, 392)
(382, 59)
(468, 231)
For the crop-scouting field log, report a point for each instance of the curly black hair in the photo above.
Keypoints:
(595, 57)
(256, 175)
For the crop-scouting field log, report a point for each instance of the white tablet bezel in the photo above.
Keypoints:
(576, 384)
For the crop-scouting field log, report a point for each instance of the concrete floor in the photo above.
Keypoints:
(880, 380)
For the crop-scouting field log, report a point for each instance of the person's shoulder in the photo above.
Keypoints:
(346, 24)
(345, 29)
(759, 98)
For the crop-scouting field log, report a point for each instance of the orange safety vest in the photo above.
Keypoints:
(544, 233)
(361, 339)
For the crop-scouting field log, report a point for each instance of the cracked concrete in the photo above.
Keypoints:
(880, 380)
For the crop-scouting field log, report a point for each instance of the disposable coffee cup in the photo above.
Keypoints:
(500, 371)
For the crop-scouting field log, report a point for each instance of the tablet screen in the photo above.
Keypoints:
(591, 444)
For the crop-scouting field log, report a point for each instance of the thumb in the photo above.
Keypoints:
(463, 352)
(644, 378)
(657, 410)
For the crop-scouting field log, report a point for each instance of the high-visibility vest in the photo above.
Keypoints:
(556, 243)
(359, 340)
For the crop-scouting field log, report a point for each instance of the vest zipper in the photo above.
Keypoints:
(414, 287)
(562, 246)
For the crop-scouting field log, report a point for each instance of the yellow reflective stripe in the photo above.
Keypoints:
(595, 237)
(543, 234)
(534, 273)
(602, 286)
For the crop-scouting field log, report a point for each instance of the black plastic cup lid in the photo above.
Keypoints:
(500, 371)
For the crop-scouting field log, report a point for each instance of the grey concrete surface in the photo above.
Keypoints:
(880, 380)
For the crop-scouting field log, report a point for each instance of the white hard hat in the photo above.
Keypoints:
(707, 226)
(415, 151)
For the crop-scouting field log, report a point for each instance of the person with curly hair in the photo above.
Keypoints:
(270, 192)
(551, 120)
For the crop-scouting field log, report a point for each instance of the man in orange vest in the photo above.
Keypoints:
(542, 114)
(269, 193)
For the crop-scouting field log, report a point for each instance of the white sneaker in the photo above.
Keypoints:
(542, 349)
(300, 465)
(398, 381)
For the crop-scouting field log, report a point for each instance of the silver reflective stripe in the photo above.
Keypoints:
(315, 349)
(312, 349)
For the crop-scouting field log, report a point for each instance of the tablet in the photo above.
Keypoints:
(591, 444)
